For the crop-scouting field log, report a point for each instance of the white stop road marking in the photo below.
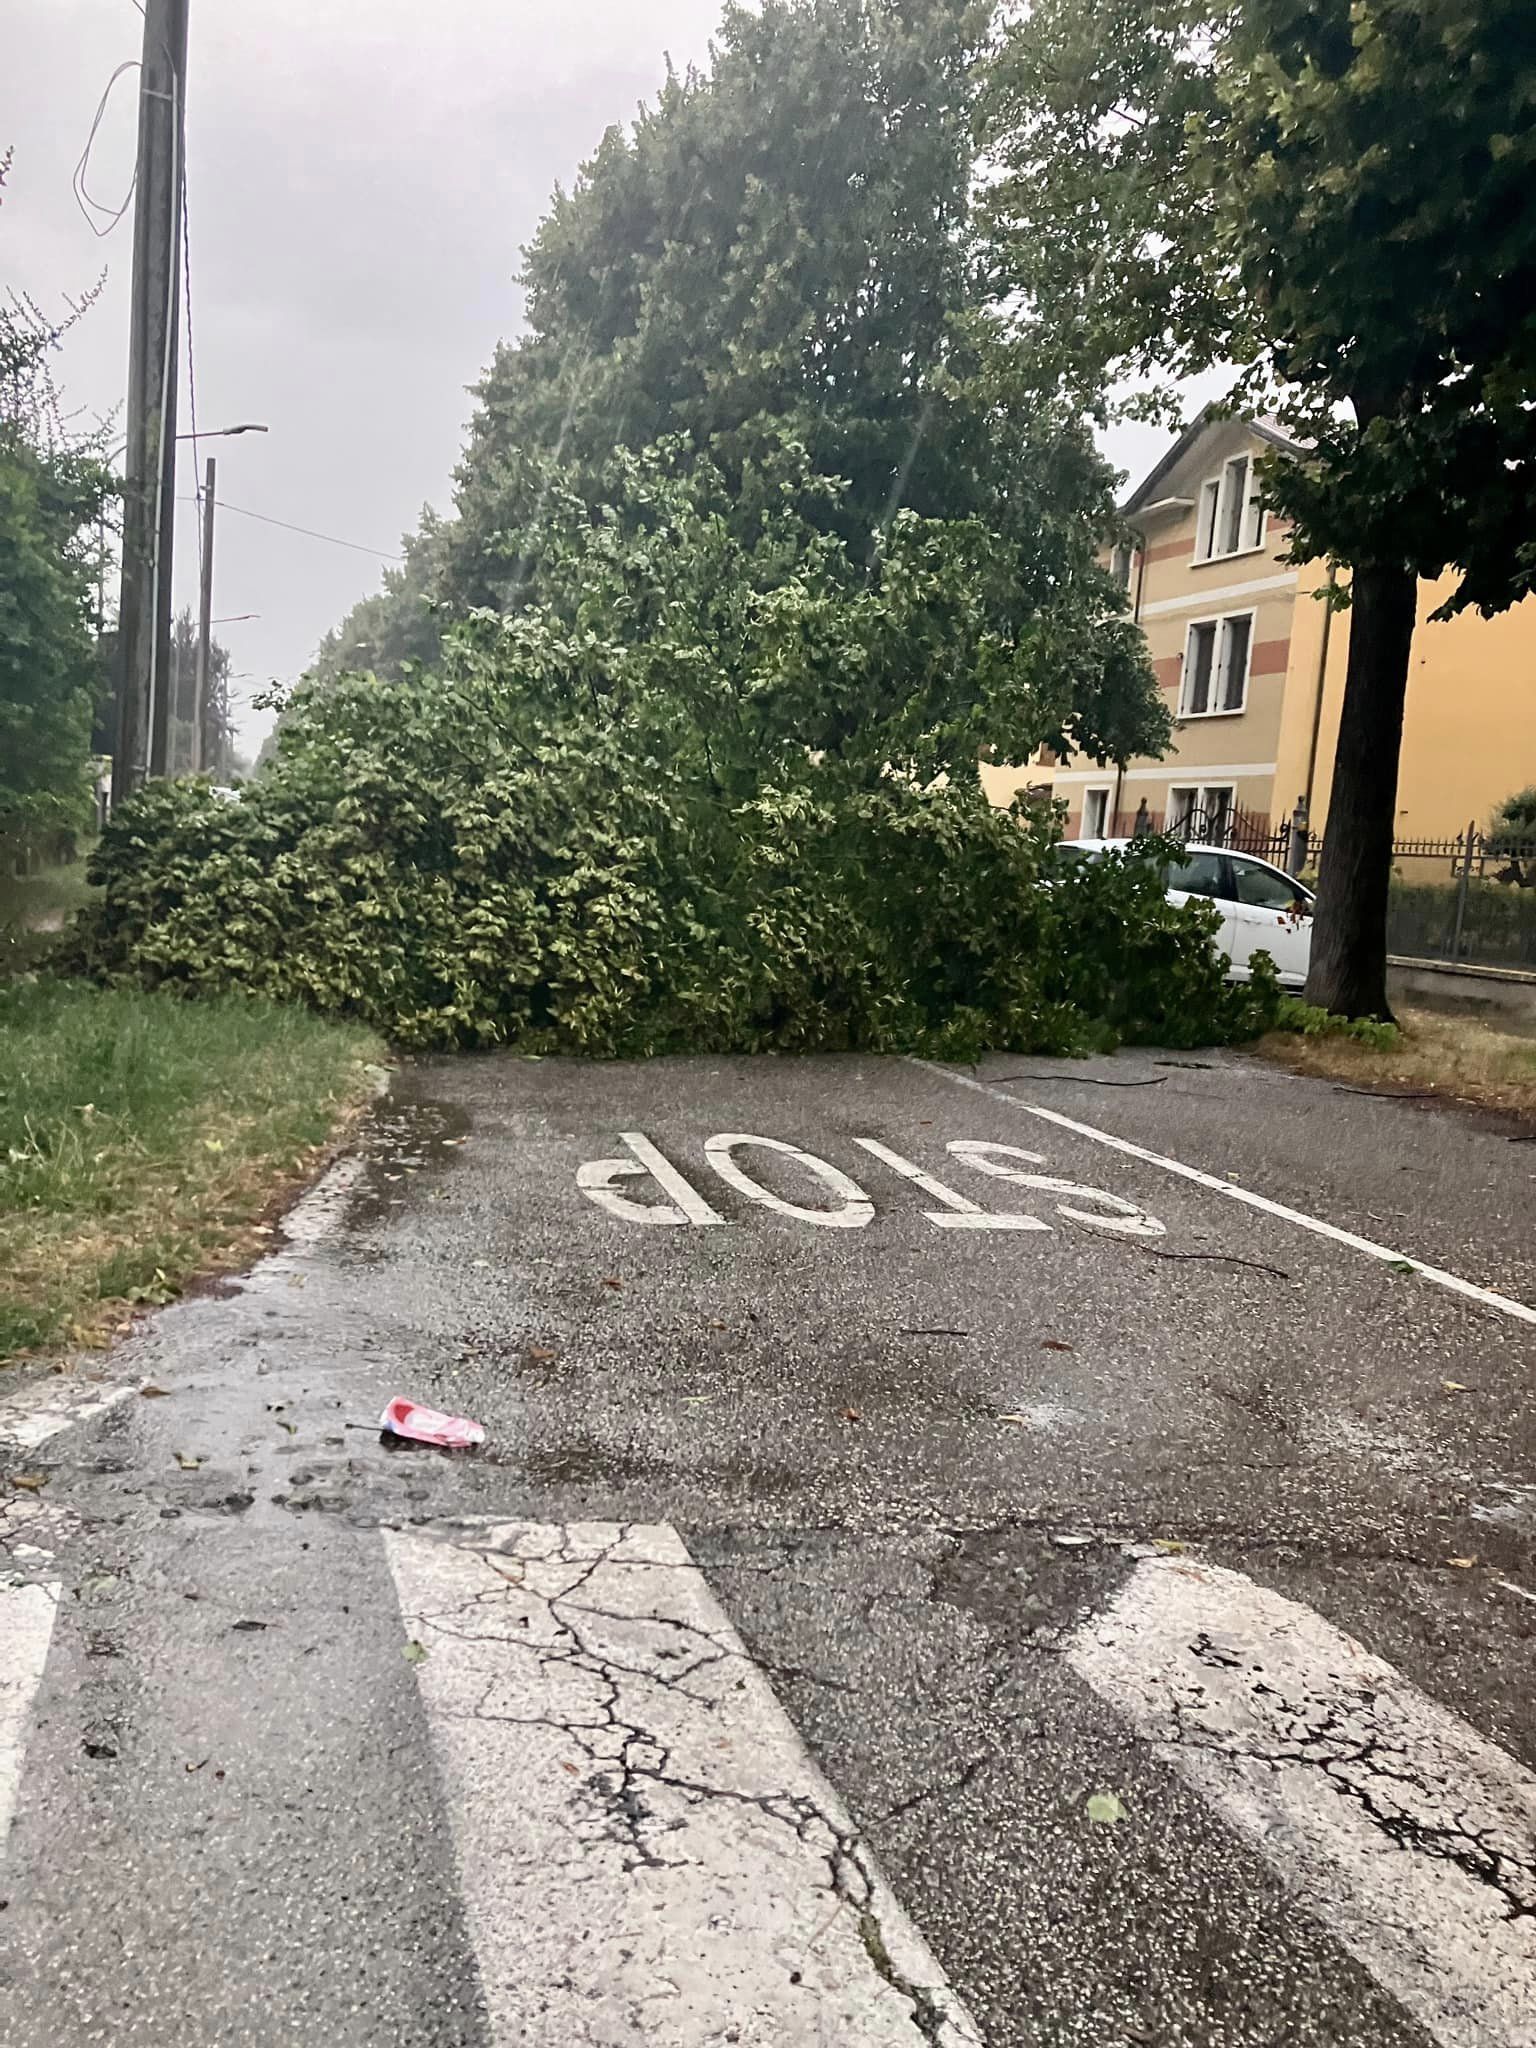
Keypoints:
(1407, 1834)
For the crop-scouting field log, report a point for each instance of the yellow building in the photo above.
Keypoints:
(1251, 663)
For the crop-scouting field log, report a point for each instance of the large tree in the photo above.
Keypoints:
(781, 254)
(1333, 196)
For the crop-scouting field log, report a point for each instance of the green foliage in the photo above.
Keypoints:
(49, 503)
(1309, 1021)
(716, 793)
(54, 494)
(780, 255)
(1332, 195)
(1512, 835)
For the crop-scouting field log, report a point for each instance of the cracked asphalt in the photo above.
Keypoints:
(927, 1486)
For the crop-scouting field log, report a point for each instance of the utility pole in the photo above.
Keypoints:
(202, 729)
(149, 495)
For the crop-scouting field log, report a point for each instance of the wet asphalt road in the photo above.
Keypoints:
(911, 1461)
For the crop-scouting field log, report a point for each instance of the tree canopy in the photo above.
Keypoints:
(781, 254)
(1333, 196)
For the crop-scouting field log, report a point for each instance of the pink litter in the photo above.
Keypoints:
(430, 1426)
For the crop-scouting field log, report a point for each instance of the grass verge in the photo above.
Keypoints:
(141, 1140)
(1454, 1057)
(33, 908)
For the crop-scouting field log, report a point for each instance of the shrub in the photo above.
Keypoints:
(405, 861)
(701, 793)
(1309, 1021)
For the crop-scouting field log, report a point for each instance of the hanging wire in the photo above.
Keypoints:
(91, 207)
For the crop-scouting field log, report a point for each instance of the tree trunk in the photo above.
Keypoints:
(1349, 940)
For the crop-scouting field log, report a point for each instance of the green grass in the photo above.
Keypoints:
(32, 908)
(142, 1136)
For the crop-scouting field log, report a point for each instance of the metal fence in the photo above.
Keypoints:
(1468, 900)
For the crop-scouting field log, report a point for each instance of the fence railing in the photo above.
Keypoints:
(1469, 900)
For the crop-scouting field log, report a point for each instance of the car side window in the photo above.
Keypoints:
(1197, 874)
(1263, 888)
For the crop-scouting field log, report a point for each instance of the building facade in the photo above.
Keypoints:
(1251, 660)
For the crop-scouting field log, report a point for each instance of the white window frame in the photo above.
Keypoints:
(1220, 660)
(1214, 511)
(1105, 790)
(1199, 795)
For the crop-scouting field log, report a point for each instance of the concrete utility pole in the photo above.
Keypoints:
(149, 495)
(202, 735)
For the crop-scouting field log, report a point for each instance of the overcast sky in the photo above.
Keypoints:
(360, 181)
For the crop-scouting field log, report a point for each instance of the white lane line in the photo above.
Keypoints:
(1398, 1826)
(1484, 1296)
(26, 1627)
(646, 1849)
(29, 1418)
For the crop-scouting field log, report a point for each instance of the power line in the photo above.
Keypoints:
(357, 546)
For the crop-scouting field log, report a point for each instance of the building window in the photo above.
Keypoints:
(1120, 564)
(1215, 675)
(1096, 813)
(1231, 519)
(1202, 811)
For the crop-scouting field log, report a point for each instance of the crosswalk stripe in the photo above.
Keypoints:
(646, 1848)
(1411, 1837)
(27, 1613)
(37, 1412)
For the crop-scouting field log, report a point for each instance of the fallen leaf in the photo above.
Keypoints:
(1170, 1546)
(542, 1352)
(214, 1144)
(1054, 1344)
(154, 1393)
(574, 1769)
(1462, 1564)
(718, 1323)
(610, 1281)
(1022, 1421)
(249, 1627)
(192, 1768)
(30, 1482)
(1453, 1386)
(186, 1463)
(1105, 1808)
(1401, 1266)
(291, 1427)
(852, 1415)
(416, 1653)
(296, 1280)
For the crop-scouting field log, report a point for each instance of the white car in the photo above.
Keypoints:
(1262, 907)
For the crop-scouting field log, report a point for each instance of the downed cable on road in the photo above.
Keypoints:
(1213, 1258)
(1391, 1094)
(1088, 1080)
